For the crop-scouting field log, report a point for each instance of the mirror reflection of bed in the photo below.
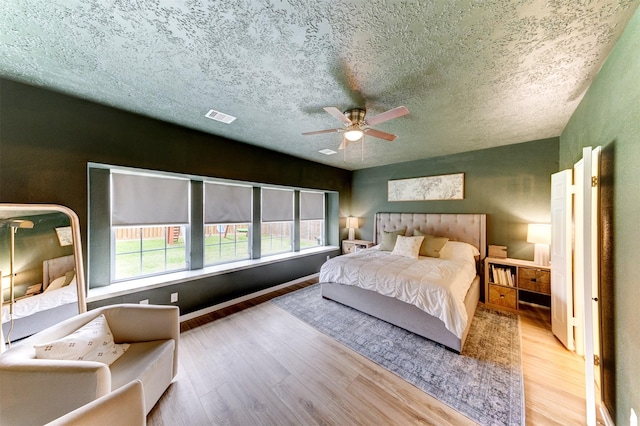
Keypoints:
(48, 284)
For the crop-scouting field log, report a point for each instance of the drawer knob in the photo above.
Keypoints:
(502, 296)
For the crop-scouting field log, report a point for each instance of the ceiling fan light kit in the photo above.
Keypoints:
(353, 134)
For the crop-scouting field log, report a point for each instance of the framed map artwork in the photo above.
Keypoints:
(443, 187)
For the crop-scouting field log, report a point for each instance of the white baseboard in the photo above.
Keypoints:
(246, 297)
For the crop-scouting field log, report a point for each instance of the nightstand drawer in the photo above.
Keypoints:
(348, 248)
(352, 246)
(534, 280)
(503, 296)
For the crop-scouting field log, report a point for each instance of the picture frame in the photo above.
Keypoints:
(441, 187)
(65, 236)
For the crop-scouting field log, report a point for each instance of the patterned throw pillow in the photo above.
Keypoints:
(91, 342)
(407, 247)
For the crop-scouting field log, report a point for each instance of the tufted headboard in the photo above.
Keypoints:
(469, 228)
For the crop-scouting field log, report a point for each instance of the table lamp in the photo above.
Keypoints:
(352, 224)
(540, 235)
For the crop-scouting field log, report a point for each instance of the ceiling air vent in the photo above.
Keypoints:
(219, 116)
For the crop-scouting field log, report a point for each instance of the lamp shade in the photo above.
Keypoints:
(539, 233)
(353, 135)
(352, 222)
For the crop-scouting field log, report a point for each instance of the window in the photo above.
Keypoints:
(143, 251)
(149, 216)
(311, 219)
(277, 221)
(227, 223)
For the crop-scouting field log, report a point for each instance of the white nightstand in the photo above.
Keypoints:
(352, 246)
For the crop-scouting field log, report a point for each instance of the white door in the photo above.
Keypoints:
(590, 254)
(561, 259)
(578, 256)
(595, 264)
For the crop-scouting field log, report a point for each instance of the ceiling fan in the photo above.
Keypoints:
(357, 126)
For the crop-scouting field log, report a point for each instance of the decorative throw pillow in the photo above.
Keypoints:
(459, 250)
(389, 239)
(407, 246)
(69, 277)
(431, 245)
(91, 342)
(56, 284)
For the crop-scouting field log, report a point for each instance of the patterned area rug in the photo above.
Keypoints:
(484, 382)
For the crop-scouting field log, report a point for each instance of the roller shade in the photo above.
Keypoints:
(148, 200)
(311, 205)
(277, 205)
(227, 203)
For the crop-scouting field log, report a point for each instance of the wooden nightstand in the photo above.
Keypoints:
(352, 246)
(511, 281)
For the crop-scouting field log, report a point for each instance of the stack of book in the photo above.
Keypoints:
(502, 276)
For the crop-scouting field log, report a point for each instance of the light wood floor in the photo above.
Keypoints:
(254, 364)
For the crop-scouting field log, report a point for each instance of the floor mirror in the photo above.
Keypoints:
(41, 268)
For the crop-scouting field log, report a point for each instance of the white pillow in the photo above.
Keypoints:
(459, 250)
(91, 342)
(56, 284)
(407, 246)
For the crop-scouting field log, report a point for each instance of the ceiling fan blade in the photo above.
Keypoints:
(380, 135)
(318, 132)
(388, 115)
(338, 114)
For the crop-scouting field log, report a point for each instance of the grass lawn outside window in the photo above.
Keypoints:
(149, 251)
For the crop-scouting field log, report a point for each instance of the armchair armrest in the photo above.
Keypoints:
(123, 406)
(61, 386)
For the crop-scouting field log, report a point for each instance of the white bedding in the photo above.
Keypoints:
(436, 286)
(41, 302)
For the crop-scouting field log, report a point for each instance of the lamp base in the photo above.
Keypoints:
(541, 255)
(352, 234)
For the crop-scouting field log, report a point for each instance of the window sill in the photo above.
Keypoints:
(133, 286)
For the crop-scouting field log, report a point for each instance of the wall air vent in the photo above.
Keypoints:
(219, 116)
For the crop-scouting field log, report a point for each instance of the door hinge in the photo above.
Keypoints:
(594, 181)
(596, 360)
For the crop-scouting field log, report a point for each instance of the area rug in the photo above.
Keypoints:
(484, 383)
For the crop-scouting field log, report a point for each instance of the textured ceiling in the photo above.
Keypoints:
(474, 73)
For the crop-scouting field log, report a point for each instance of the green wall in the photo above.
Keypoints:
(609, 116)
(47, 139)
(511, 184)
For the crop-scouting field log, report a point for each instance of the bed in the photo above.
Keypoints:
(358, 279)
(34, 313)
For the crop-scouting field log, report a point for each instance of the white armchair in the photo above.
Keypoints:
(37, 391)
